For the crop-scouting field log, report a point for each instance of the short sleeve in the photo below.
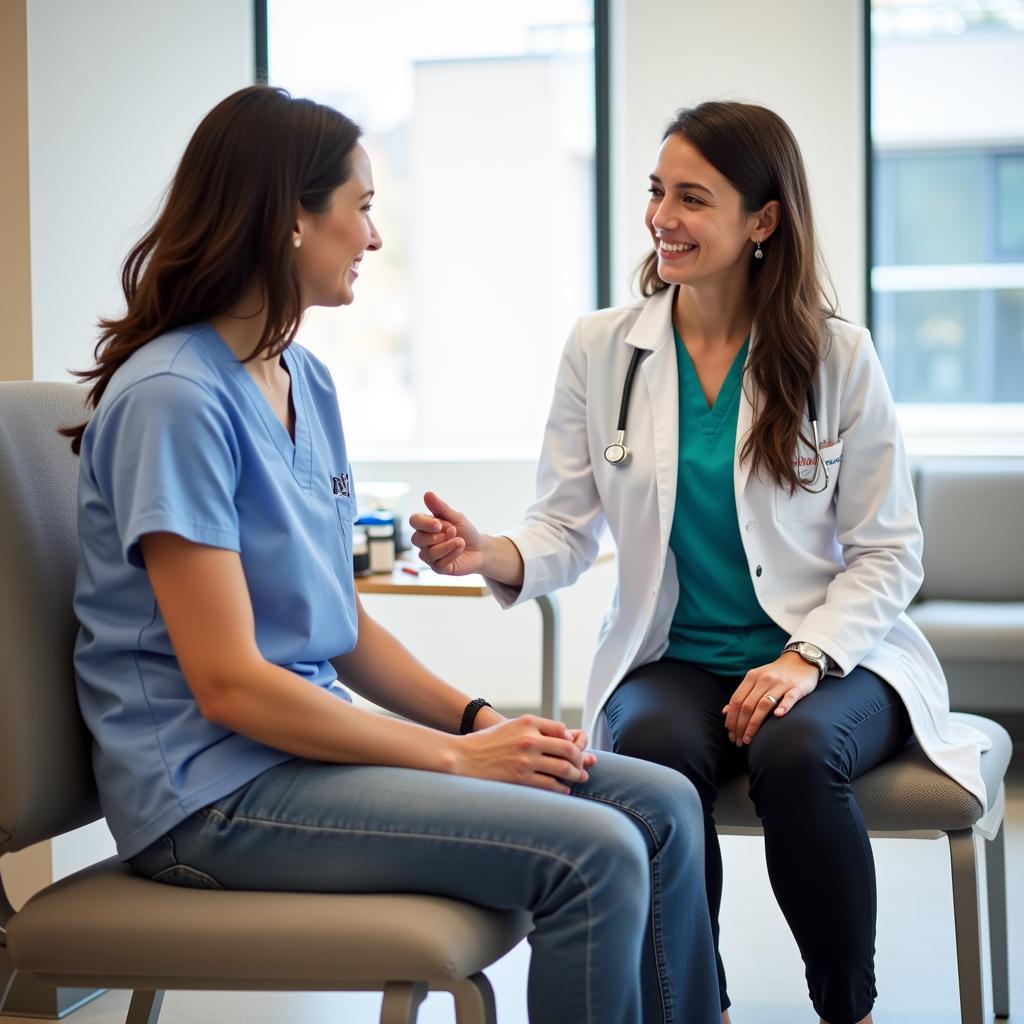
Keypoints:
(165, 458)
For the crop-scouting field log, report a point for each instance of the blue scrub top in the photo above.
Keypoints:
(183, 441)
(718, 623)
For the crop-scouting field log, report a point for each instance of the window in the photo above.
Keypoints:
(479, 120)
(947, 274)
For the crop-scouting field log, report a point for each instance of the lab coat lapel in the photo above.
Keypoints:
(659, 373)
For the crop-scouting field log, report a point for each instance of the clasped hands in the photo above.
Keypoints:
(788, 679)
(528, 751)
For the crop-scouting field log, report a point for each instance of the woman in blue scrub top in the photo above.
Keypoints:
(220, 625)
(767, 535)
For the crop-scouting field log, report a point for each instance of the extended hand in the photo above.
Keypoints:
(528, 751)
(788, 679)
(448, 542)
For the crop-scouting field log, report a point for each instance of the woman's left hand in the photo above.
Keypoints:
(788, 679)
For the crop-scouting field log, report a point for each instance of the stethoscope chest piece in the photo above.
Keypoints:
(617, 453)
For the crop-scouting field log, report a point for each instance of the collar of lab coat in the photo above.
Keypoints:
(653, 327)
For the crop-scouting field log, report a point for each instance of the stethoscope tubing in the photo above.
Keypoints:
(618, 454)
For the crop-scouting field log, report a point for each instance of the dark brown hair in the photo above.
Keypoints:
(754, 148)
(226, 224)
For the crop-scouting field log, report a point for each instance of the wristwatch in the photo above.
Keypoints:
(812, 654)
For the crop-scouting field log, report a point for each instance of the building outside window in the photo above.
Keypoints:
(479, 121)
(947, 278)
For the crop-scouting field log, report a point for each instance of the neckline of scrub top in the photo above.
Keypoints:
(298, 454)
(710, 418)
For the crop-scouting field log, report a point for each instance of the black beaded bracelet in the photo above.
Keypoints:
(469, 715)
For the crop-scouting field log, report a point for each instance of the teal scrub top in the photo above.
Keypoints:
(718, 622)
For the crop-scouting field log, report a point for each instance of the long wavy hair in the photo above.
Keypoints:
(755, 149)
(226, 225)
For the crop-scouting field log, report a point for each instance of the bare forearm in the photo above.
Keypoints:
(273, 706)
(384, 671)
(502, 560)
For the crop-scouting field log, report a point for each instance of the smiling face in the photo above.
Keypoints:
(332, 243)
(701, 232)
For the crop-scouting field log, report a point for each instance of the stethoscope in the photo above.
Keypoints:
(619, 455)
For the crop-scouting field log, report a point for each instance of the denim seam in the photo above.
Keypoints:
(212, 812)
(659, 956)
(659, 953)
(186, 871)
(458, 839)
(630, 811)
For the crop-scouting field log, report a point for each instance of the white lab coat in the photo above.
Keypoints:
(837, 568)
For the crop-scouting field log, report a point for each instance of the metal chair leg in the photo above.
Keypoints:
(550, 696)
(967, 921)
(995, 875)
(402, 1000)
(144, 1007)
(474, 1001)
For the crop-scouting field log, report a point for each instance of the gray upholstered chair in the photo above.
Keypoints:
(106, 927)
(908, 798)
(971, 605)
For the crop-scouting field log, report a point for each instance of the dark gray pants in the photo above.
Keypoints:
(800, 766)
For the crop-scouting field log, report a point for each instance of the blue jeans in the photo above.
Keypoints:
(613, 875)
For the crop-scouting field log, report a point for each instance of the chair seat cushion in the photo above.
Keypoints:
(108, 926)
(973, 630)
(906, 794)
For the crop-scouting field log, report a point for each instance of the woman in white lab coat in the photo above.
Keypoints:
(741, 443)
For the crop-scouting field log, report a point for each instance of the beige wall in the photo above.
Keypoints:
(15, 275)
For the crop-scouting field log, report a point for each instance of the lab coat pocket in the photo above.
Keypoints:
(804, 504)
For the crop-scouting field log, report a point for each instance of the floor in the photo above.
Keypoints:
(916, 961)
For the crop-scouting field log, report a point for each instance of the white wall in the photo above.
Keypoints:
(115, 89)
(801, 58)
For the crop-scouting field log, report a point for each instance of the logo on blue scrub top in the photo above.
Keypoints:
(339, 484)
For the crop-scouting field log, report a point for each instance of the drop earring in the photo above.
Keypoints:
(758, 255)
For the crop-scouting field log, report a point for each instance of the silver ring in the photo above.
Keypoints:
(774, 700)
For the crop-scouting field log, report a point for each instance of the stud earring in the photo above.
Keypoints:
(758, 255)
(297, 241)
